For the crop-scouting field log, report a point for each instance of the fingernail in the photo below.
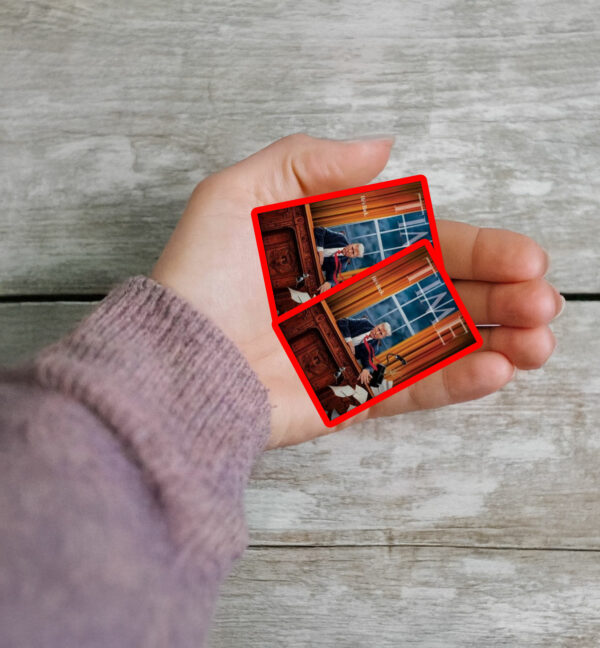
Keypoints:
(547, 261)
(372, 138)
(562, 307)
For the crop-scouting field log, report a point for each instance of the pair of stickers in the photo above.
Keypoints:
(358, 293)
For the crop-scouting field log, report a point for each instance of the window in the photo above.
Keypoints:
(383, 237)
(420, 305)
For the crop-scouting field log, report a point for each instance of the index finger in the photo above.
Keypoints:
(489, 254)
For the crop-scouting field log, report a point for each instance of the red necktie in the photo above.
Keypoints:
(338, 266)
(370, 351)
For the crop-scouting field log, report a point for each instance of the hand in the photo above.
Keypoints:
(498, 275)
(325, 286)
(364, 377)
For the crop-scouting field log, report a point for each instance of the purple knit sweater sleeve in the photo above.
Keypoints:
(124, 452)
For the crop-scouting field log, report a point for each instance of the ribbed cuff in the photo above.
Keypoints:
(180, 396)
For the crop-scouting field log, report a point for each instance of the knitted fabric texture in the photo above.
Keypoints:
(126, 449)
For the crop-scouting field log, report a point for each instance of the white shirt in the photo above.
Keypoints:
(357, 339)
(329, 252)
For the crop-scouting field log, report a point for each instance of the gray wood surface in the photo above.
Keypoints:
(27, 327)
(516, 469)
(410, 596)
(477, 525)
(112, 111)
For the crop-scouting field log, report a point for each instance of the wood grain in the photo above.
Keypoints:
(111, 112)
(25, 328)
(410, 596)
(516, 469)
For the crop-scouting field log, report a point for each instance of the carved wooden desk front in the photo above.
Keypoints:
(291, 253)
(323, 355)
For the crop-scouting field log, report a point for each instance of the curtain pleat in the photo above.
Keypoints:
(393, 278)
(380, 203)
(427, 347)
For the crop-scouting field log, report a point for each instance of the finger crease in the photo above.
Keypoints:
(298, 176)
(474, 251)
(446, 386)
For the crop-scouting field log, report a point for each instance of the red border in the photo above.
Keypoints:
(426, 372)
(336, 194)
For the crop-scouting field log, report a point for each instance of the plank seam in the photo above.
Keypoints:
(94, 297)
(421, 546)
(43, 299)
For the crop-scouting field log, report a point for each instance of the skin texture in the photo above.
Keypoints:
(351, 251)
(212, 261)
(378, 333)
(364, 377)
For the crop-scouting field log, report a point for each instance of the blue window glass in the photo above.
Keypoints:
(412, 310)
(384, 236)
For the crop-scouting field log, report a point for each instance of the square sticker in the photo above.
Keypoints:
(309, 246)
(377, 333)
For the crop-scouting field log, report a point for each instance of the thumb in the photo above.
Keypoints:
(299, 165)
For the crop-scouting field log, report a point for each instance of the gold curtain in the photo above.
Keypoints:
(373, 288)
(425, 348)
(350, 273)
(379, 203)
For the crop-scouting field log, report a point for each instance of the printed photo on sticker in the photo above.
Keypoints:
(310, 248)
(370, 337)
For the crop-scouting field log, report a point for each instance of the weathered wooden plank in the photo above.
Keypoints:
(519, 468)
(112, 111)
(25, 328)
(408, 596)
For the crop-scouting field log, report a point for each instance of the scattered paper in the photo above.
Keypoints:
(342, 390)
(298, 296)
(361, 394)
(385, 385)
(358, 392)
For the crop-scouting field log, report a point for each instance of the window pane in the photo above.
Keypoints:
(396, 232)
(392, 239)
(393, 222)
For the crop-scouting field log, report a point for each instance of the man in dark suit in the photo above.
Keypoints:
(363, 338)
(334, 252)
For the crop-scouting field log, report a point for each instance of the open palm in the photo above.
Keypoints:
(212, 261)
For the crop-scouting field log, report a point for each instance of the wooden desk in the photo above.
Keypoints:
(291, 253)
(322, 352)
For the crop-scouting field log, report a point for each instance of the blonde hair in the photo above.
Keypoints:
(387, 328)
(361, 250)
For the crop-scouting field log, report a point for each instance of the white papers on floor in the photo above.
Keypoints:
(344, 391)
(298, 296)
(385, 385)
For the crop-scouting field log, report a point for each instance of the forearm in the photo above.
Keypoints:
(129, 445)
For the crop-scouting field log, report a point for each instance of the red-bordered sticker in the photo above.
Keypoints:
(398, 321)
(316, 243)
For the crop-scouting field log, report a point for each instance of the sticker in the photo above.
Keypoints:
(377, 332)
(312, 245)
